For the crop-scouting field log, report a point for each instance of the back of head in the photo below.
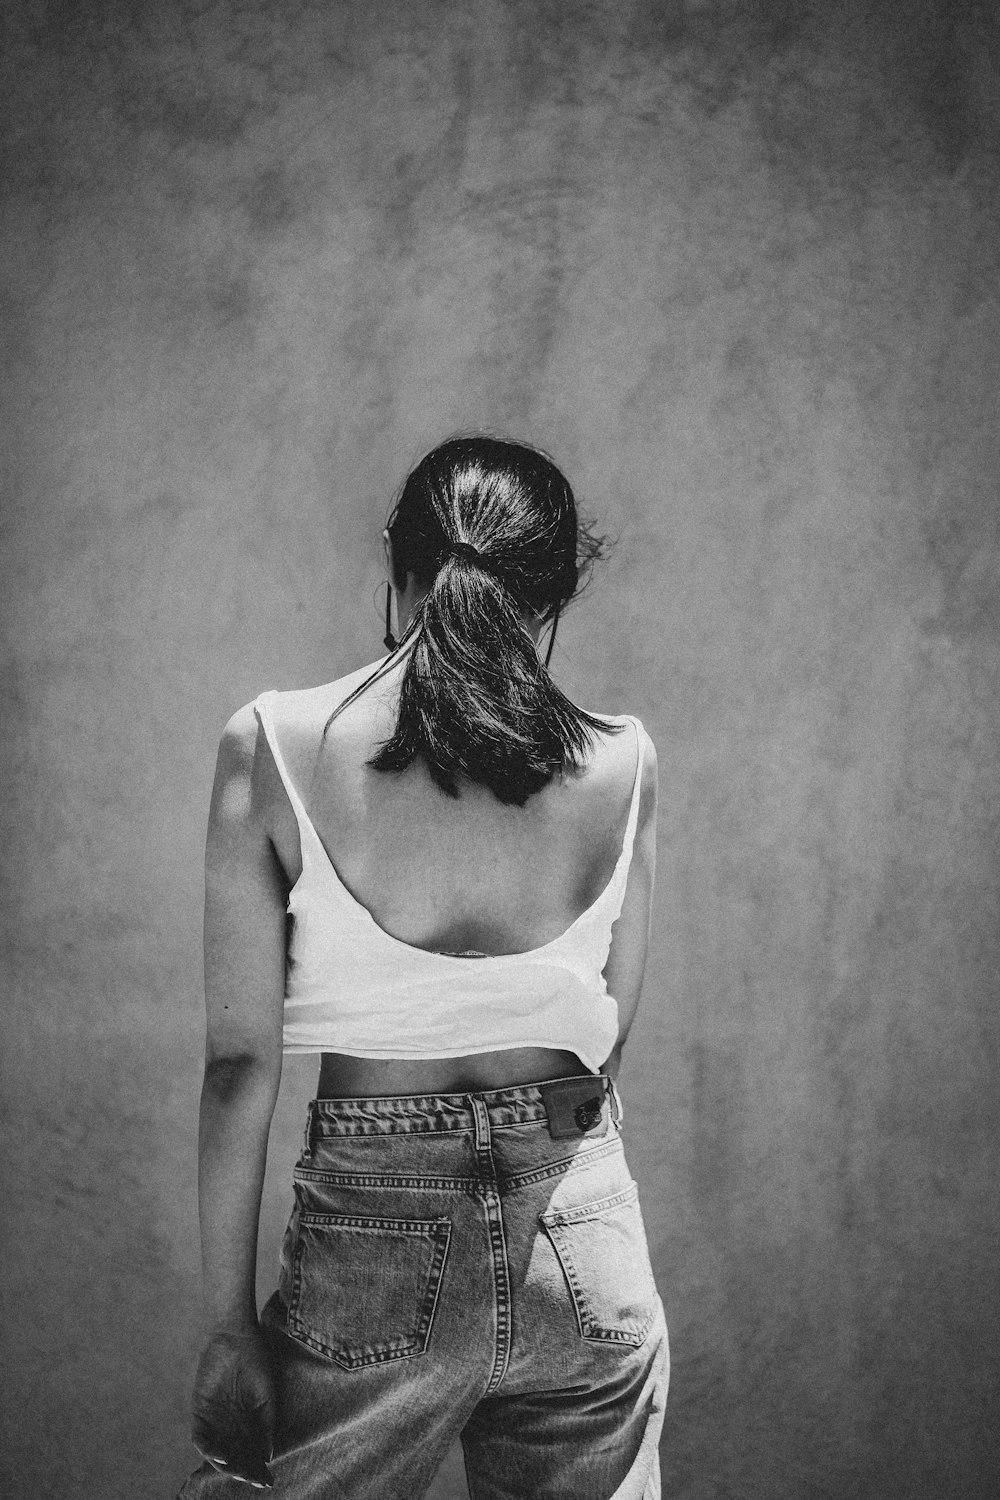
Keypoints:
(489, 529)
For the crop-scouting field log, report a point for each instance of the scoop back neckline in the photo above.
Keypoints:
(302, 816)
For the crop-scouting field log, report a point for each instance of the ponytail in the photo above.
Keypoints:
(475, 699)
(491, 529)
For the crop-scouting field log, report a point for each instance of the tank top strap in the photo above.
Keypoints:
(625, 858)
(262, 708)
(606, 910)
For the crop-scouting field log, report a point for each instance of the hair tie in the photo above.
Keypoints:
(467, 552)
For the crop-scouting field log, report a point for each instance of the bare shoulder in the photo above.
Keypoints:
(236, 801)
(613, 763)
(306, 710)
(238, 744)
(649, 792)
(649, 770)
(608, 779)
(296, 720)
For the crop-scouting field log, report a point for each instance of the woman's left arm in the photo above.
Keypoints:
(630, 935)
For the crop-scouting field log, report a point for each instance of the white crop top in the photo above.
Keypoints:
(351, 987)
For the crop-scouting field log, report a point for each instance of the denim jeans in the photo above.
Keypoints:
(469, 1265)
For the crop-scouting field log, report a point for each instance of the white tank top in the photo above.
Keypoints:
(351, 987)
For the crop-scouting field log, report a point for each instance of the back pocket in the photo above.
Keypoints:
(602, 1250)
(365, 1290)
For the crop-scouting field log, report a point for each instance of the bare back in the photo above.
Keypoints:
(466, 874)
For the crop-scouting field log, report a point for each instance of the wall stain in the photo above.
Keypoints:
(268, 202)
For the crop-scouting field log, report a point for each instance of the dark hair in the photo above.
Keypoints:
(490, 529)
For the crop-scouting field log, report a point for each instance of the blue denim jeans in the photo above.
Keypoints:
(469, 1265)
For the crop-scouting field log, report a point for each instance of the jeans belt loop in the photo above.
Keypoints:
(307, 1142)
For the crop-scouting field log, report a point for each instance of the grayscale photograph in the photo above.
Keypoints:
(500, 604)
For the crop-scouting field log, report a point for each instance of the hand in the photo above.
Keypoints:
(234, 1406)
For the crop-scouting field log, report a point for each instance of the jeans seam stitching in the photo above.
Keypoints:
(553, 1169)
(374, 1179)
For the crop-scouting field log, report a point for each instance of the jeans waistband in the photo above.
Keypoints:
(573, 1106)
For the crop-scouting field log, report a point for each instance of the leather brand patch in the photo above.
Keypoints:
(573, 1107)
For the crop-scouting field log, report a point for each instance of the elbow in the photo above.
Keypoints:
(237, 1075)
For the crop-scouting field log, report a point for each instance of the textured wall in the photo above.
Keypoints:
(736, 263)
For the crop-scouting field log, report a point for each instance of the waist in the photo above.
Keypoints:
(344, 1075)
(571, 1107)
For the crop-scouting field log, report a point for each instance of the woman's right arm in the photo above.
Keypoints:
(245, 896)
(626, 963)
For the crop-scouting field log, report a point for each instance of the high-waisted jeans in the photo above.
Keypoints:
(469, 1265)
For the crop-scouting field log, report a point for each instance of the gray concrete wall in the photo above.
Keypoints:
(736, 265)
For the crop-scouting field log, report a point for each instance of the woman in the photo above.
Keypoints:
(466, 859)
